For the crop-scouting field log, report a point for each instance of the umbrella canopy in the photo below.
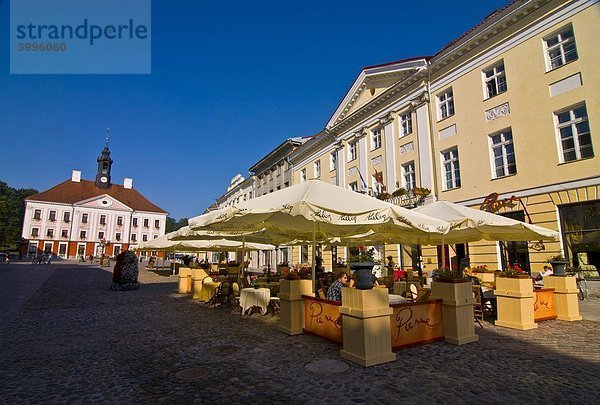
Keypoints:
(316, 210)
(469, 225)
(211, 245)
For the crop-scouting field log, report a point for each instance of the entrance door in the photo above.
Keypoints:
(515, 252)
(116, 250)
(81, 250)
(47, 248)
(62, 250)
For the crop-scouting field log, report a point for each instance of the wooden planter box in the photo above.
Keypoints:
(291, 319)
(515, 302)
(485, 277)
(457, 310)
(565, 297)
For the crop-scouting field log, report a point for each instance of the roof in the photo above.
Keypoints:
(71, 192)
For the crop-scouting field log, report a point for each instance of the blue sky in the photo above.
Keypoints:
(230, 81)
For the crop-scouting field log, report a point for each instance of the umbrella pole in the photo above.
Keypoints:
(314, 256)
(443, 254)
(243, 267)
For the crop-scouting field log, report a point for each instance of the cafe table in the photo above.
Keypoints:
(397, 299)
(208, 290)
(255, 297)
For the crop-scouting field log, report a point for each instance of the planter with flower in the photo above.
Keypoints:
(484, 274)
(291, 289)
(559, 264)
(515, 299)
(283, 268)
(456, 293)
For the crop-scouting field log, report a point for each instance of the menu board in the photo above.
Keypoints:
(543, 305)
(322, 318)
(415, 323)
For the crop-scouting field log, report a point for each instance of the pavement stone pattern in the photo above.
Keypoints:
(68, 339)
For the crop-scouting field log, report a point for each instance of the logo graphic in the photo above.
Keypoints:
(80, 37)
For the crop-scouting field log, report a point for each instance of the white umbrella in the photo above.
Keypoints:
(317, 211)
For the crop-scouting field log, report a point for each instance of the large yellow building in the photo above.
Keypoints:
(503, 118)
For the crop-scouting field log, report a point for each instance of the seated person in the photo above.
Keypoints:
(334, 292)
(546, 272)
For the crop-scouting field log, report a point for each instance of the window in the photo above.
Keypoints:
(37, 214)
(376, 138)
(317, 168)
(574, 131)
(35, 232)
(354, 186)
(445, 104)
(408, 175)
(66, 216)
(146, 222)
(52, 216)
(84, 218)
(100, 235)
(119, 221)
(352, 151)
(144, 238)
(118, 236)
(303, 175)
(103, 219)
(561, 48)
(133, 237)
(503, 154)
(135, 222)
(405, 124)
(451, 169)
(332, 161)
(157, 221)
(82, 234)
(64, 233)
(50, 233)
(495, 80)
(154, 236)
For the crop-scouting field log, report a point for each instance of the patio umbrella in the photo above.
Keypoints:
(317, 211)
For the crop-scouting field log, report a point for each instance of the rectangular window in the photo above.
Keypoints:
(352, 151)
(503, 154)
(405, 124)
(376, 138)
(133, 237)
(135, 222)
(50, 233)
(118, 236)
(303, 175)
(66, 216)
(84, 218)
(146, 222)
(35, 232)
(495, 80)
(37, 214)
(445, 104)
(408, 176)
(100, 235)
(52, 216)
(574, 132)
(560, 48)
(354, 186)
(144, 238)
(332, 161)
(103, 219)
(82, 234)
(157, 221)
(154, 236)
(119, 221)
(317, 169)
(64, 233)
(451, 168)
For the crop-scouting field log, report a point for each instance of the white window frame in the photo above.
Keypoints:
(144, 238)
(100, 235)
(492, 84)
(157, 221)
(332, 161)
(85, 217)
(573, 124)
(35, 234)
(35, 216)
(376, 135)
(119, 221)
(405, 124)
(303, 175)
(504, 147)
(118, 236)
(352, 151)
(146, 223)
(317, 168)
(455, 168)
(102, 219)
(52, 215)
(66, 216)
(50, 233)
(445, 99)
(560, 47)
(64, 233)
(409, 177)
(134, 237)
(353, 186)
(82, 234)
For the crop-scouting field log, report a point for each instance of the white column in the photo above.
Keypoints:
(362, 159)
(341, 167)
(425, 147)
(390, 156)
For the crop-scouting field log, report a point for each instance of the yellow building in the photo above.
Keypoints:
(502, 118)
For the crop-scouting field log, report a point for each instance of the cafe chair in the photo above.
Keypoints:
(478, 305)
(412, 294)
(321, 293)
(234, 300)
(222, 294)
(274, 305)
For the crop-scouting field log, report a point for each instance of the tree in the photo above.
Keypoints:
(12, 210)
(173, 224)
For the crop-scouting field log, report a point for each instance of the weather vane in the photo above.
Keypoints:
(107, 136)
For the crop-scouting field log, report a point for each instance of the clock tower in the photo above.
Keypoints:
(104, 164)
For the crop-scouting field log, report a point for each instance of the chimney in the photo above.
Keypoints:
(76, 176)
(128, 183)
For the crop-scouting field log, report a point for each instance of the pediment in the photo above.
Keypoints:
(372, 82)
(103, 202)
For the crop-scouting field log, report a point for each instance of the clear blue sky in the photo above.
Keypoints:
(230, 81)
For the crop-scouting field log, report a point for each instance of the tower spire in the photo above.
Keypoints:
(107, 137)
(104, 165)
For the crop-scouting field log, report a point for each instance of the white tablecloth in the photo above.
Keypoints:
(259, 297)
(397, 299)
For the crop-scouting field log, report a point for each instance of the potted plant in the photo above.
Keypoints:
(558, 263)
(362, 265)
(399, 192)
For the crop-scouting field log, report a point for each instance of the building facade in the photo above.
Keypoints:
(81, 217)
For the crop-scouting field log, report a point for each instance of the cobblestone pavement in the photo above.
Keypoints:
(66, 338)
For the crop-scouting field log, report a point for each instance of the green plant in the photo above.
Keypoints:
(421, 191)
(364, 255)
(556, 258)
(399, 192)
(446, 274)
(384, 196)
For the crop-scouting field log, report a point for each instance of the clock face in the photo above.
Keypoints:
(103, 179)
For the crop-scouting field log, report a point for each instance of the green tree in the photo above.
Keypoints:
(173, 224)
(12, 209)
